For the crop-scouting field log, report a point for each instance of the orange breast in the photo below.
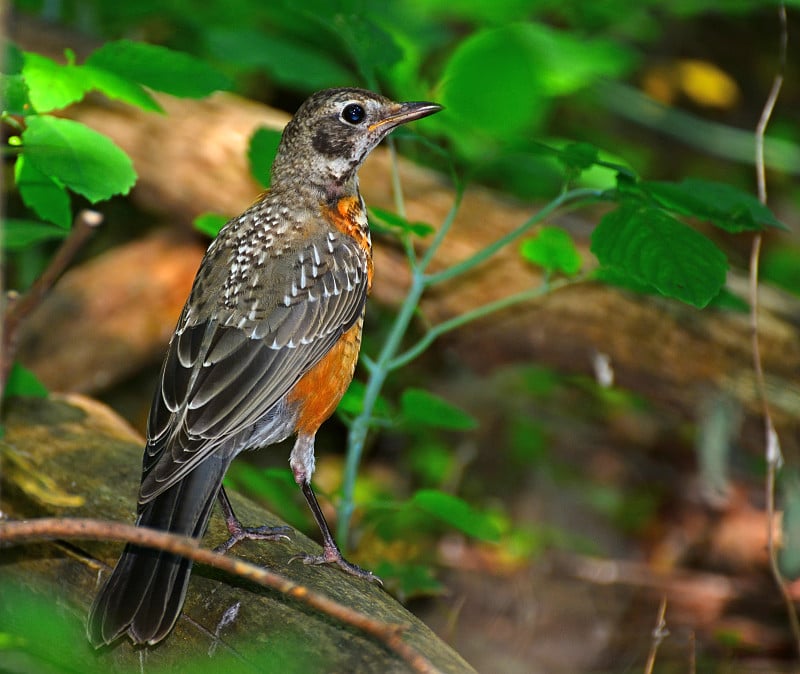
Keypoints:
(349, 218)
(319, 390)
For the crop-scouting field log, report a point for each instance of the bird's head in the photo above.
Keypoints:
(334, 130)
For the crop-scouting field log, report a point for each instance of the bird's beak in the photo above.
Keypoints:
(401, 113)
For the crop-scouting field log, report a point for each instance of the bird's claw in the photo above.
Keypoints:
(335, 557)
(264, 533)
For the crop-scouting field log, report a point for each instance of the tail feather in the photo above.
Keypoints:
(145, 593)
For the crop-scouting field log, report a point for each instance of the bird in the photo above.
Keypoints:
(264, 349)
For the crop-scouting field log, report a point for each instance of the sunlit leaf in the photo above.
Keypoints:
(425, 409)
(83, 160)
(553, 249)
(159, 68)
(653, 248)
(51, 85)
(491, 82)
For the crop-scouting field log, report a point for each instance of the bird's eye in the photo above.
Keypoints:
(353, 113)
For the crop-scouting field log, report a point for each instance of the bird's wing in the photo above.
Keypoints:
(226, 372)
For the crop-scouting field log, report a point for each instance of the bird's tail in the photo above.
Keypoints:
(145, 593)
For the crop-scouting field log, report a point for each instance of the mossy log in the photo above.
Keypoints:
(73, 457)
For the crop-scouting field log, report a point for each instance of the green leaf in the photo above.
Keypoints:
(499, 81)
(654, 248)
(492, 84)
(579, 156)
(13, 58)
(51, 85)
(19, 234)
(159, 68)
(119, 88)
(553, 249)
(22, 382)
(210, 223)
(14, 95)
(290, 62)
(721, 204)
(388, 221)
(410, 580)
(275, 486)
(44, 195)
(352, 403)
(261, 153)
(83, 160)
(457, 513)
(425, 409)
(372, 46)
(781, 266)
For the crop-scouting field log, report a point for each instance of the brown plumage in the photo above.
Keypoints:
(265, 348)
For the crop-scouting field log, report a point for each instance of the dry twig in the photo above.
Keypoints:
(20, 307)
(16, 532)
(660, 632)
(773, 452)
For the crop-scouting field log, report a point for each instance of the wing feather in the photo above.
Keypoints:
(228, 369)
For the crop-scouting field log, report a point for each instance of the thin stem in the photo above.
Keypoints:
(772, 443)
(387, 360)
(357, 435)
(444, 229)
(660, 632)
(485, 253)
(84, 225)
(479, 312)
(378, 371)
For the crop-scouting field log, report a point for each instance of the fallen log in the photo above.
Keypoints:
(73, 457)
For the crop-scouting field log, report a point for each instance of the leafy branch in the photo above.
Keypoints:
(56, 158)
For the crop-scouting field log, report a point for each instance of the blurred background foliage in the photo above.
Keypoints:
(670, 88)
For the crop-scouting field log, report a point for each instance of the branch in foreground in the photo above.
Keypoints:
(48, 528)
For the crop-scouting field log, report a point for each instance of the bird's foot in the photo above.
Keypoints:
(240, 533)
(334, 556)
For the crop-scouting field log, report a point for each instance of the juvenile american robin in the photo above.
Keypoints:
(265, 348)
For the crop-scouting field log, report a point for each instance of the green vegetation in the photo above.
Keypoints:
(517, 77)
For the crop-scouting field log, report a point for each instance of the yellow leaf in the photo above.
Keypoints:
(706, 84)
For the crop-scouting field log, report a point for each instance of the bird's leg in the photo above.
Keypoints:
(240, 533)
(302, 463)
(330, 551)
